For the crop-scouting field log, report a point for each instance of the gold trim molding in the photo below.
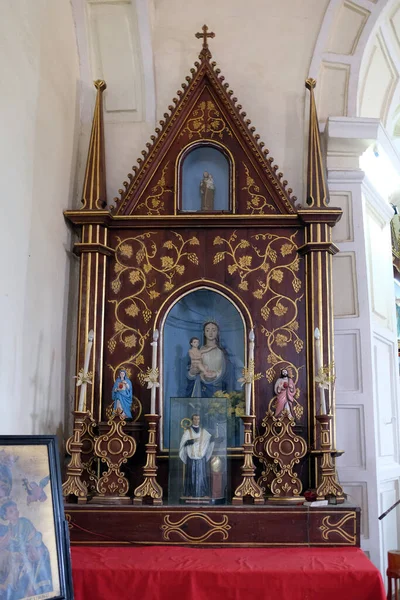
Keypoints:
(216, 527)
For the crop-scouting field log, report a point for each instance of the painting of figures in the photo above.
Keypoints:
(29, 552)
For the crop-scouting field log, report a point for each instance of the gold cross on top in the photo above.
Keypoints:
(205, 35)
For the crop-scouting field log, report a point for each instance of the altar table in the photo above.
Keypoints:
(184, 573)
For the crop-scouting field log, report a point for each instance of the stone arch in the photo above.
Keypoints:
(358, 40)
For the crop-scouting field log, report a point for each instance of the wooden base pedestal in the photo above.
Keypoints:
(247, 525)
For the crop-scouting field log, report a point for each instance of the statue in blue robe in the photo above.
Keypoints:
(122, 393)
(212, 372)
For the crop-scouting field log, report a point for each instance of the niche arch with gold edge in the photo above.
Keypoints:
(186, 319)
(205, 179)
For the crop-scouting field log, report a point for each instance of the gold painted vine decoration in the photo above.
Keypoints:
(206, 121)
(279, 311)
(138, 265)
(257, 202)
(154, 204)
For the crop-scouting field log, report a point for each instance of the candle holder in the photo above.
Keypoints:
(73, 485)
(150, 487)
(329, 485)
(248, 487)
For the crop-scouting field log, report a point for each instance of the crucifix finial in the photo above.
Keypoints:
(205, 35)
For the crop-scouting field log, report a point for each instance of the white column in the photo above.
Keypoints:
(366, 364)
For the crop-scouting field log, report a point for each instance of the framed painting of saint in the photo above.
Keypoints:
(203, 353)
(34, 544)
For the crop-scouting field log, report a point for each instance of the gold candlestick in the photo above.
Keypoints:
(248, 487)
(73, 485)
(329, 485)
(150, 487)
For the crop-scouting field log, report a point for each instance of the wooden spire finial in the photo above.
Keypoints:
(205, 35)
(94, 186)
(317, 189)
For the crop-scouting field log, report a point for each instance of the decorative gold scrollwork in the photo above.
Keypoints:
(144, 271)
(328, 528)
(257, 203)
(285, 448)
(219, 528)
(154, 204)
(275, 260)
(206, 122)
(114, 448)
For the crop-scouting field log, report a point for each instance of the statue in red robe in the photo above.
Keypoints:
(285, 390)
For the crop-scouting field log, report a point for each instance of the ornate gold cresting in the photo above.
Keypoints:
(74, 484)
(318, 250)
(114, 448)
(150, 488)
(249, 486)
(285, 449)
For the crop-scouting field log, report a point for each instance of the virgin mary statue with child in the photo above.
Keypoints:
(208, 368)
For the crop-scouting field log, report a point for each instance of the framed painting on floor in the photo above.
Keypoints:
(34, 540)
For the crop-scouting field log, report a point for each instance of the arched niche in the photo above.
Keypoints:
(205, 172)
(185, 319)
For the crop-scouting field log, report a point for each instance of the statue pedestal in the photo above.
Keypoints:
(114, 448)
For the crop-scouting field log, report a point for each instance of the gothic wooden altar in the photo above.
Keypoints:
(241, 237)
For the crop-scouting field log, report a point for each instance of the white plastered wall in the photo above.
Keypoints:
(262, 48)
(39, 67)
(356, 61)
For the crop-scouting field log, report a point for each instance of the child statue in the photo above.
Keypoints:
(196, 365)
(207, 191)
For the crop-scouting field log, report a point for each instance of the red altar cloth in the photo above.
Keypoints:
(183, 573)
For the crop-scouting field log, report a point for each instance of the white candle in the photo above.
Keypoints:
(154, 345)
(318, 360)
(82, 395)
(249, 365)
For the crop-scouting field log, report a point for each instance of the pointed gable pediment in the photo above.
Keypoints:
(205, 114)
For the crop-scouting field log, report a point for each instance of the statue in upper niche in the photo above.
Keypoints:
(207, 191)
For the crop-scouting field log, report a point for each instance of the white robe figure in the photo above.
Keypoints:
(195, 451)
